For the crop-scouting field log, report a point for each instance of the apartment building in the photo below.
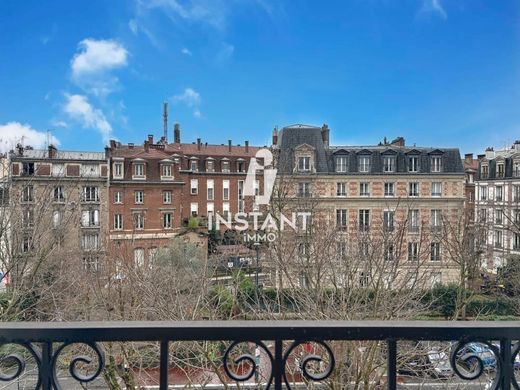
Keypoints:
(58, 203)
(391, 198)
(498, 204)
(157, 189)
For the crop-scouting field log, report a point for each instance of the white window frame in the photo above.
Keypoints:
(139, 197)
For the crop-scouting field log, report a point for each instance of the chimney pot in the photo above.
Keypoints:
(247, 146)
(150, 138)
(275, 136)
(177, 133)
(198, 143)
(325, 134)
(229, 145)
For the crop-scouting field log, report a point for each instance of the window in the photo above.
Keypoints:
(436, 164)
(256, 187)
(389, 252)
(516, 241)
(304, 190)
(27, 169)
(118, 170)
(500, 170)
(499, 193)
(484, 171)
(499, 217)
(364, 280)
(138, 197)
(91, 263)
(167, 197)
(225, 166)
(413, 189)
(118, 221)
(210, 190)
(389, 189)
(483, 193)
(225, 208)
(413, 220)
(241, 203)
(152, 254)
(435, 278)
(413, 164)
(90, 194)
(241, 166)
(341, 219)
(435, 251)
(26, 244)
(482, 215)
(138, 170)
(516, 168)
(138, 221)
(194, 165)
(90, 218)
(436, 188)
(225, 190)
(304, 164)
(194, 187)
(341, 189)
(516, 217)
(364, 164)
(364, 189)
(28, 217)
(388, 221)
(498, 238)
(341, 164)
(167, 219)
(166, 170)
(57, 218)
(90, 242)
(516, 193)
(342, 250)
(388, 163)
(413, 251)
(28, 194)
(59, 194)
(139, 257)
(303, 280)
(435, 220)
(194, 209)
(210, 166)
(118, 197)
(364, 220)
(210, 208)
(4, 195)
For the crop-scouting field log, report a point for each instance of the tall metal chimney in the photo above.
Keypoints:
(165, 121)
(177, 133)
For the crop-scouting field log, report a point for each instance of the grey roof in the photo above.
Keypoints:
(291, 137)
(43, 154)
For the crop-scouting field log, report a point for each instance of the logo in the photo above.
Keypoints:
(269, 175)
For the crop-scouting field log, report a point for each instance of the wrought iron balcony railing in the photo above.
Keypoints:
(45, 342)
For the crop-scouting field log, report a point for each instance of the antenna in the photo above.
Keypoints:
(165, 121)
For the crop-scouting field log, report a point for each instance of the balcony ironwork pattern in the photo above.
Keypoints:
(46, 341)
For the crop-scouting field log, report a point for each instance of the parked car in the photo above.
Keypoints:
(433, 363)
(468, 356)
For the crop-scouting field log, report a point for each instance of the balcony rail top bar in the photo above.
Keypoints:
(256, 330)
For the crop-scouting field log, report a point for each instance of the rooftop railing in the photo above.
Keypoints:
(45, 342)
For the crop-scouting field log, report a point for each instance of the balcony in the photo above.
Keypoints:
(277, 342)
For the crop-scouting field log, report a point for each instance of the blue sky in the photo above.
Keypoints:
(438, 72)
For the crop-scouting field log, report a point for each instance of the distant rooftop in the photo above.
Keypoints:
(43, 154)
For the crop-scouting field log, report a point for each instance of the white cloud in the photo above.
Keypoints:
(78, 108)
(91, 66)
(434, 6)
(132, 25)
(186, 51)
(58, 123)
(12, 133)
(191, 99)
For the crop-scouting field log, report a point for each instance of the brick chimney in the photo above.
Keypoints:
(177, 133)
(468, 158)
(247, 146)
(198, 143)
(229, 145)
(325, 134)
(150, 139)
(53, 152)
(146, 146)
(275, 136)
(399, 141)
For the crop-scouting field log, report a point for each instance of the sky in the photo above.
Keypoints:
(438, 72)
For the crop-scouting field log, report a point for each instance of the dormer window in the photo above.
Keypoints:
(341, 164)
(500, 170)
(210, 165)
(194, 165)
(225, 166)
(413, 164)
(388, 163)
(304, 164)
(364, 164)
(138, 170)
(118, 170)
(484, 171)
(166, 171)
(241, 166)
(436, 162)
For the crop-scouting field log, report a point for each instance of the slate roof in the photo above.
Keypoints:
(43, 154)
(291, 137)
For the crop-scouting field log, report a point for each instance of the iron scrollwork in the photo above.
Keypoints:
(20, 363)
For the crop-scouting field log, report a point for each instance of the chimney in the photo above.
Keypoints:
(229, 145)
(490, 153)
(165, 121)
(53, 152)
(198, 143)
(113, 144)
(399, 141)
(150, 139)
(480, 157)
(247, 146)
(130, 145)
(275, 136)
(177, 133)
(325, 134)
(19, 149)
(468, 158)
(146, 146)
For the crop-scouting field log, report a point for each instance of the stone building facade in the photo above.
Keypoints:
(497, 197)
